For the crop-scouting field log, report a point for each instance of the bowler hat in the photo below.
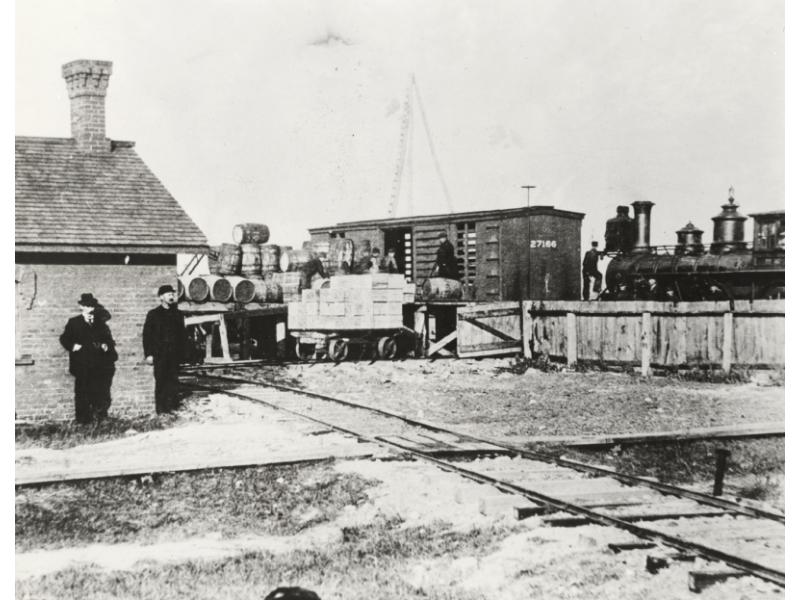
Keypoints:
(166, 289)
(87, 300)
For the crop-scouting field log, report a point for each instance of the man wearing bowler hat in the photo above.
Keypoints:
(163, 339)
(92, 353)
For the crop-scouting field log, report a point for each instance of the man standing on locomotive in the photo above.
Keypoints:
(590, 271)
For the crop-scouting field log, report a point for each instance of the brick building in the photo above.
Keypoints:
(90, 216)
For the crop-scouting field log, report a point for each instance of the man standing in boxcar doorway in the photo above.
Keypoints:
(92, 353)
(590, 271)
(163, 339)
(446, 264)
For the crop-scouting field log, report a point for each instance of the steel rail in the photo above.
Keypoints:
(753, 568)
(664, 488)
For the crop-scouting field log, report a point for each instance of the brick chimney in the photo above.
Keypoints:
(87, 81)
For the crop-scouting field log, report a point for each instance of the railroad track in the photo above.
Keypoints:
(748, 539)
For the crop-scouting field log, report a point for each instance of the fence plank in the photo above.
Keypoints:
(572, 339)
(727, 341)
(647, 333)
(526, 327)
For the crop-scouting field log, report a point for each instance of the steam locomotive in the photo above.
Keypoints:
(729, 270)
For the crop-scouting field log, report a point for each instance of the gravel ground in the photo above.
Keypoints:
(485, 397)
(401, 529)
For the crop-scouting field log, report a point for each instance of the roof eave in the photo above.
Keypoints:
(110, 248)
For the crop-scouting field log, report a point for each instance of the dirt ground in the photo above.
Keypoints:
(485, 397)
(418, 532)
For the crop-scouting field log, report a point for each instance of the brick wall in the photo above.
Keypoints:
(46, 297)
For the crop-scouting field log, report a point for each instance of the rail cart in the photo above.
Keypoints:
(358, 344)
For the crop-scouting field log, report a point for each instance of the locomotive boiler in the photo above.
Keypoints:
(729, 269)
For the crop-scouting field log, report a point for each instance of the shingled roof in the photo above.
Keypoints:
(70, 200)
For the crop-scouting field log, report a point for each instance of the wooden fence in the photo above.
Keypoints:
(708, 334)
(659, 333)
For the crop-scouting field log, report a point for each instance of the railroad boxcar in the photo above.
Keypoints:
(510, 254)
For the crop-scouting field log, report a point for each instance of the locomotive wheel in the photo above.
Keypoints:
(305, 352)
(387, 348)
(337, 349)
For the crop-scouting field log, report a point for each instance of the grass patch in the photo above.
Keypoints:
(368, 564)
(59, 435)
(689, 462)
(257, 500)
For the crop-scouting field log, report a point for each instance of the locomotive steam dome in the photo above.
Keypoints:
(728, 228)
(690, 240)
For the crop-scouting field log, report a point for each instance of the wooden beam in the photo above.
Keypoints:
(440, 344)
(700, 580)
(223, 338)
(698, 433)
(198, 319)
(489, 329)
(491, 352)
(580, 521)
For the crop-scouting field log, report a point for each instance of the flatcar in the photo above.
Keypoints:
(729, 269)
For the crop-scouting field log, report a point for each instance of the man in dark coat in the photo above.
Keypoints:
(590, 271)
(92, 354)
(163, 339)
(446, 264)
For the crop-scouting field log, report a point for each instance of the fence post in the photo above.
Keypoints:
(526, 323)
(647, 333)
(727, 341)
(572, 339)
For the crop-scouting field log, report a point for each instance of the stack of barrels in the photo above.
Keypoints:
(253, 270)
(239, 272)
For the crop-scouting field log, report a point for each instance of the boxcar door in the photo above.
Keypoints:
(487, 261)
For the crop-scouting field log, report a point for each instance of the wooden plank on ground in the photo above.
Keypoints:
(697, 433)
(186, 466)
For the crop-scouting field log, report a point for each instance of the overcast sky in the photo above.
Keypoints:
(289, 113)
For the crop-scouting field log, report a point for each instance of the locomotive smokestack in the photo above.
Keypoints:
(641, 216)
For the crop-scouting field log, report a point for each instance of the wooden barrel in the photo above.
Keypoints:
(220, 288)
(244, 290)
(341, 252)
(195, 288)
(181, 290)
(439, 288)
(230, 259)
(321, 248)
(266, 291)
(363, 250)
(270, 258)
(251, 233)
(251, 261)
(293, 260)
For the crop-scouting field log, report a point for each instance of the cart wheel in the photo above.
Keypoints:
(387, 348)
(305, 352)
(337, 349)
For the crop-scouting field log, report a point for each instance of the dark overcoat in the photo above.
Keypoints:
(446, 263)
(163, 336)
(91, 337)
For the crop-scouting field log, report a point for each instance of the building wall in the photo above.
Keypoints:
(46, 297)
